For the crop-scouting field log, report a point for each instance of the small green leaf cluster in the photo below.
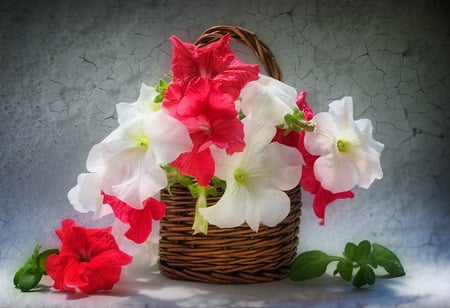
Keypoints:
(29, 275)
(174, 176)
(162, 86)
(296, 122)
(363, 257)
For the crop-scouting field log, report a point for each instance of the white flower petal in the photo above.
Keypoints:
(224, 163)
(287, 163)
(229, 211)
(366, 128)
(323, 138)
(274, 207)
(145, 255)
(126, 112)
(168, 137)
(144, 105)
(268, 100)
(256, 132)
(86, 196)
(342, 110)
(146, 100)
(336, 175)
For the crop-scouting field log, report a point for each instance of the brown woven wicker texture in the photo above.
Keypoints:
(228, 255)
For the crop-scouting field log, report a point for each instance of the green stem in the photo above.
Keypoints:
(200, 223)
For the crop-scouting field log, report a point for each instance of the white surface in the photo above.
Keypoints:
(64, 66)
(424, 286)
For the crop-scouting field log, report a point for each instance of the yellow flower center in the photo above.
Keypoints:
(240, 176)
(343, 146)
(143, 143)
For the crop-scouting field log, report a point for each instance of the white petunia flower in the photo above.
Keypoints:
(255, 181)
(268, 100)
(130, 158)
(349, 155)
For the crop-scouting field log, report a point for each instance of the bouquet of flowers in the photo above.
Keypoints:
(214, 125)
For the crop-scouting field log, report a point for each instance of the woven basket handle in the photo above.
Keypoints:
(248, 38)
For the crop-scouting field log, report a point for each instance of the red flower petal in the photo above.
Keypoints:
(55, 268)
(140, 220)
(200, 165)
(102, 273)
(157, 208)
(303, 105)
(324, 197)
(214, 61)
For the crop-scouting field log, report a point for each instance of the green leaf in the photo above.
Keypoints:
(365, 275)
(29, 279)
(345, 269)
(350, 251)
(32, 261)
(362, 252)
(43, 257)
(387, 259)
(19, 273)
(310, 264)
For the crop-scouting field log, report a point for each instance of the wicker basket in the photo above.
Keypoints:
(227, 255)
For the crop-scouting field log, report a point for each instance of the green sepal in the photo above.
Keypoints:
(388, 260)
(29, 279)
(162, 87)
(42, 258)
(362, 252)
(29, 275)
(365, 275)
(29, 264)
(19, 273)
(296, 122)
(345, 269)
(310, 264)
(350, 251)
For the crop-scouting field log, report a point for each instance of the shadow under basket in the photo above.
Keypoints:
(227, 255)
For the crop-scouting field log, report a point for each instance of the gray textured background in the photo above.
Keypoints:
(65, 64)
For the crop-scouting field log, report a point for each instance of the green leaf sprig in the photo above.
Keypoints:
(363, 257)
(162, 87)
(30, 274)
(296, 122)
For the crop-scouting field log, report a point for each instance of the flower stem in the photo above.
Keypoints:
(200, 223)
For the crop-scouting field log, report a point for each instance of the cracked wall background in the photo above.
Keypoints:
(64, 66)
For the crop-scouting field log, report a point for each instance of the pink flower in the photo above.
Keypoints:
(89, 259)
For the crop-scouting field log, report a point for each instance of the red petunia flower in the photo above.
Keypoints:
(308, 181)
(89, 259)
(214, 62)
(140, 220)
(212, 120)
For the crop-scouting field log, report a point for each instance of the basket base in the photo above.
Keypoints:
(228, 255)
(220, 275)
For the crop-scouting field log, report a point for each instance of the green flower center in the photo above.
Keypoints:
(240, 176)
(343, 146)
